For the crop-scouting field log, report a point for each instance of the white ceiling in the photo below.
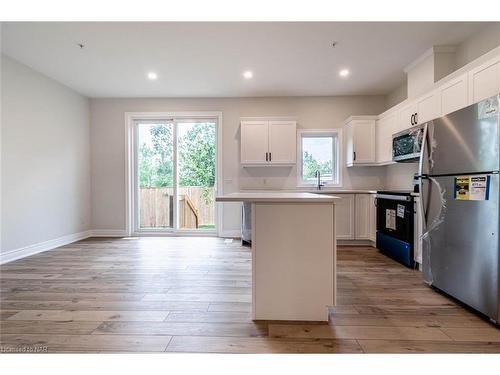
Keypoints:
(208, 59)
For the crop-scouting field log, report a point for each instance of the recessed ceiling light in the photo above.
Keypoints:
(248, 74)
(152, 76)
(344, 73)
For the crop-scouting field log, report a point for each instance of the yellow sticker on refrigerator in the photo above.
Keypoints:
(472, 188)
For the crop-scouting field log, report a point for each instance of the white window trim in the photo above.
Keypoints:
(338, 157)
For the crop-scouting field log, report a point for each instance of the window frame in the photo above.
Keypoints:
(336, 153)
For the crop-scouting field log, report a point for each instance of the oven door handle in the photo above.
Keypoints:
(401, 198)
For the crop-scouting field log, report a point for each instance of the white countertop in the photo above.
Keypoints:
(357, 191)
(276, 196)
(311, 190)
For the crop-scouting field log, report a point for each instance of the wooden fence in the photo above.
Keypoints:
(156, 209)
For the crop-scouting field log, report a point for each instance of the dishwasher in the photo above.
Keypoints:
(246, 223)
(395, 217)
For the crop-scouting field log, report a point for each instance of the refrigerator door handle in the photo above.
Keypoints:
(423, 148)
(422, 203)
(423, 159)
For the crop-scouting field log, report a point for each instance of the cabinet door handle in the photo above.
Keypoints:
(412, 121)
(416, 118)
(270, 157)
(267, 156)
(354, 155)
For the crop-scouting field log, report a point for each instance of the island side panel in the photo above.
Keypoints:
(254, 244)
(293, 249)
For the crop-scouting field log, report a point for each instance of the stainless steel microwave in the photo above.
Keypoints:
(406, 145)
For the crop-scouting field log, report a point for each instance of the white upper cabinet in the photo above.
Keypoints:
(254, 142)
(360, 140)
(385, 127)
(407, 116)
(282, 142)
(427, 108)
(454, 94)
(484, 81)
(266, 142)
(419, 111)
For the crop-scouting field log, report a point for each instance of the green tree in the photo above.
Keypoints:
(197, 156)
(146, 166)
(311, 165)
(162, 136)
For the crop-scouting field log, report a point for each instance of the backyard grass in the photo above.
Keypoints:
(206, 226)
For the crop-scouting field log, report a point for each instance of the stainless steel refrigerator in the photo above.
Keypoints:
(459, 189)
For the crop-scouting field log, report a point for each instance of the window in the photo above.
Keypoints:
(318, 152)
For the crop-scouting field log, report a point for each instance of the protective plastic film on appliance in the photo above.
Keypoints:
(437, 221)
(408, 143)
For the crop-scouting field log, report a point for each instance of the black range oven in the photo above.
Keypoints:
(395, 225)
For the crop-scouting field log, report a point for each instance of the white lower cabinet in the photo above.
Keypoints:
(344, 216)
(362, 224)
(417, 235)
(373, 218)
(356, 216)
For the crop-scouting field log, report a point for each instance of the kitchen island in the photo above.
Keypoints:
(293, 254)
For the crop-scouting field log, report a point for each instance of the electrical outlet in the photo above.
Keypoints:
(264, 181)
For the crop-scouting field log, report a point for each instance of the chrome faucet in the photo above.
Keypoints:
(320, 184)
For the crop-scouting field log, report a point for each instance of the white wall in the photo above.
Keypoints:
(400, 176)
(397, 95)
(1, 126)
(108, 145)
(45, 159)
(421, 77)
(478, 44)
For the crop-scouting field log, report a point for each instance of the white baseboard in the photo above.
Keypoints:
(123, 233)
(109, 233)
(23, 252)
(355, 243)
(230, 233)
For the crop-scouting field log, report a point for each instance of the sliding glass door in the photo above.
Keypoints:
(196, 144)
(155, 175)
(175, 175)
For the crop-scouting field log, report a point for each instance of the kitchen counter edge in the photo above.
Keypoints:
(276, 197)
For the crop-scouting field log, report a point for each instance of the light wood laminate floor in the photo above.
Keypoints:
(194, 294)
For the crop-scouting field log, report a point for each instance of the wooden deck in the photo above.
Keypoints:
(194, 294)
